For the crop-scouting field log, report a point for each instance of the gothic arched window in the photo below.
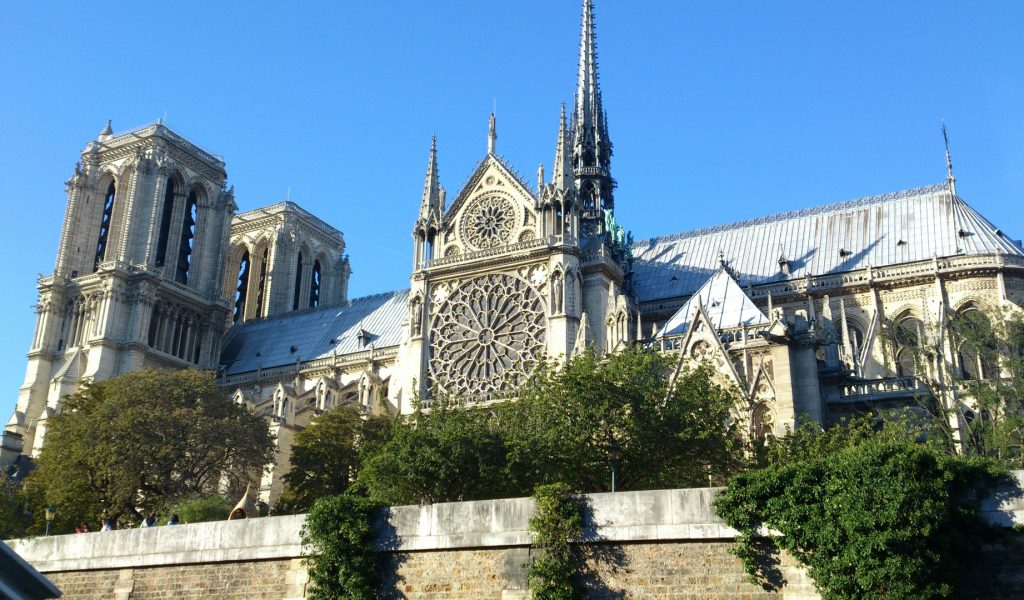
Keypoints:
(165, 224)
(314, 285)
(908, 340)
(976, 344)
(262, 286)
(188, 233)
(298, 283)
(108, 213)
(242, 289)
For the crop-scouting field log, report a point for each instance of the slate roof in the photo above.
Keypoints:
(724, 302)
(316, 333)
(901, 227)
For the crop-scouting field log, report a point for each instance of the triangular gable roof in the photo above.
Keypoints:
(474, 181)
(722, 300)
(724, 366)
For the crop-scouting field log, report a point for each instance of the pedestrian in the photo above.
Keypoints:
(105, 525)
(82, 528)
(173, 520)
(149, 521)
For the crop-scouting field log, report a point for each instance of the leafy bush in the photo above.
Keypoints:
(556, 525)
(337, 539)
(883, 518)
(200, 509)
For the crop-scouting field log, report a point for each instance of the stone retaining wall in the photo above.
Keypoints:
(654, 544)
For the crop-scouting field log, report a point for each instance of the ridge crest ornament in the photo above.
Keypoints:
(489, 222)
(487, 337)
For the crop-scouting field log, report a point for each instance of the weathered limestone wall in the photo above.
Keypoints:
(655, 544)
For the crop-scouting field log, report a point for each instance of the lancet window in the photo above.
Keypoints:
(298, 283)
(241, 289)
(165, 224)
(108, 213)
(314, 285)
(262, 284)
(188, 231)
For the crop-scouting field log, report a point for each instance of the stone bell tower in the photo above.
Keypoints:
(137, 282)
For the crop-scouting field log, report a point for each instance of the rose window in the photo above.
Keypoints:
(487, 337)
(488, 223)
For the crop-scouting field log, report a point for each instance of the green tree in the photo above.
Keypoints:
(447, 454)
(873, 516)
(15, 518)
(325, 456)
(200, 509)
(557, 528)
(143, 441)
(977, 357)
(337, 539)
(628, 410)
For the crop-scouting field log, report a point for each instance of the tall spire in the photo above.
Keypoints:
(431, 201)
(591, 146)
(951, 181)
(561, 169)
(492, 134)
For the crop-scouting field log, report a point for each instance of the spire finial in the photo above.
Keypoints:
(561, 169)
(949, 163)
(492, 135)
(107, 133)
(591, 146)
(431, 186)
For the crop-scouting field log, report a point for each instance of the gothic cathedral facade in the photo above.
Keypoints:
(156, 269)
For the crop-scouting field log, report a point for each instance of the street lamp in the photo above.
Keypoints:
(613, 452)
(50, 513)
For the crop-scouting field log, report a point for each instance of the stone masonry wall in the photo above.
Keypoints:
(263, 579)
(657, 544)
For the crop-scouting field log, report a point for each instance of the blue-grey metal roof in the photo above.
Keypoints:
(316, 333)
(724, 303)
(901, 227)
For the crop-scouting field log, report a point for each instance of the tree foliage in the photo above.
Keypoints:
(325, 457)
(572, 424)
(870, 515)
(15, 507)
(556, 527)
(337, 540)
(444, 455)
(977, 357)
(143, 441)
(200, 509)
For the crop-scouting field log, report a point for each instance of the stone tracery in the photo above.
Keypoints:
(487, 337)
(489, 222)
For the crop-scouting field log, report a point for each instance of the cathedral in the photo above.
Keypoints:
(156, 268)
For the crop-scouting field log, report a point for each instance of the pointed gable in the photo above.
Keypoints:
(722, 300)
(505, 178)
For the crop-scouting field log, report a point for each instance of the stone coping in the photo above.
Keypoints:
(647, 516)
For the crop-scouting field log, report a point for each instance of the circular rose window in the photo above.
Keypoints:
(486, 337)
(489, 222)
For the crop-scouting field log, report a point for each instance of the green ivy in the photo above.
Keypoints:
(557, 526)
(337, 539)
(882, 519)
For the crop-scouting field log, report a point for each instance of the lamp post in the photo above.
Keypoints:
(50, 513)
(613, 453)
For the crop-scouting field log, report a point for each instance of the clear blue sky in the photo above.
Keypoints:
(719, 111)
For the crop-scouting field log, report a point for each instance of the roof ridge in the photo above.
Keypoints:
(803, 212)
(314, 309)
